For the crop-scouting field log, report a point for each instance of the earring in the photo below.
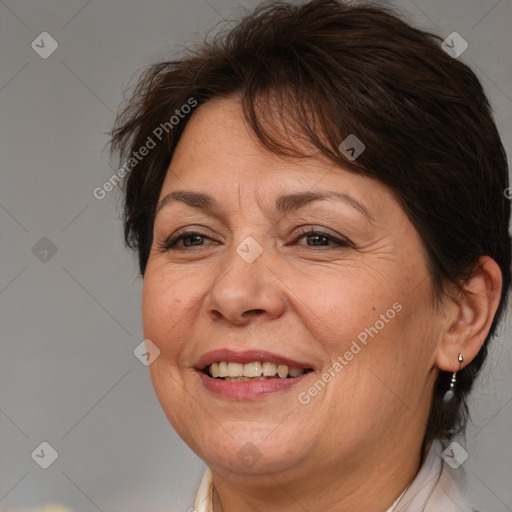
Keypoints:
(450, 393)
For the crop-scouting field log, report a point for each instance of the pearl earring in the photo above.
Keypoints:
(448, 396)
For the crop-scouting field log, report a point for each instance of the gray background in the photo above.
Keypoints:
(70, 324)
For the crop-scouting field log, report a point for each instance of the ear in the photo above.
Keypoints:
(468, 318)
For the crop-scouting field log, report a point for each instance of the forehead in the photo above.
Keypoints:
(218, 129)
(219, 154)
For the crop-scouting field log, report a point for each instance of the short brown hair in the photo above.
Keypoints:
(334, 70)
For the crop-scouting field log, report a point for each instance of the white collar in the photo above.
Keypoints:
(204, 497)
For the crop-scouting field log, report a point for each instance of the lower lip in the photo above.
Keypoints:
(248, 389)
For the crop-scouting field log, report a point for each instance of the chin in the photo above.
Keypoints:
(247, 448)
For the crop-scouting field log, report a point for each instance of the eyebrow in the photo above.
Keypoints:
(284, 204)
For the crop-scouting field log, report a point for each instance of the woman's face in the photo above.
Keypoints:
(350, 304)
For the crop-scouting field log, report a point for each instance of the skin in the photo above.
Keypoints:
(356, 445)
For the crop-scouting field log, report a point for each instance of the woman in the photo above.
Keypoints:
(317, 198)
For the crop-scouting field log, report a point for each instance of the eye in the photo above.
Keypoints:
(321, 238)
(196, 239)
(189, 238)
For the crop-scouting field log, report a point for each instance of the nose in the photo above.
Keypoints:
(243, 292)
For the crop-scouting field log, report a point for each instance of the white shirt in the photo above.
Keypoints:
(437, 487)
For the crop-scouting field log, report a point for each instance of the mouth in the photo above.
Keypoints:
(249, 374)
(254, 370)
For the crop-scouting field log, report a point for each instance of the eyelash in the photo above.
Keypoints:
(170, 243)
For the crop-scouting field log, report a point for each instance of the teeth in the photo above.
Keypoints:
(223, 369)
(235, 369)
(295, 372)
(269, 369)
(239, 379)
(282, 371)
(255, 370)
(252, 370)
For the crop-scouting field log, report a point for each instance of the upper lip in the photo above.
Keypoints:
(247, 356)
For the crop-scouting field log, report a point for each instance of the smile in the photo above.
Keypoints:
(255, 370)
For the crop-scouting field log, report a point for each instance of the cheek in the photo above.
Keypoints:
(165, 310)
(374, 328)
(386, 349)
(342, 307)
